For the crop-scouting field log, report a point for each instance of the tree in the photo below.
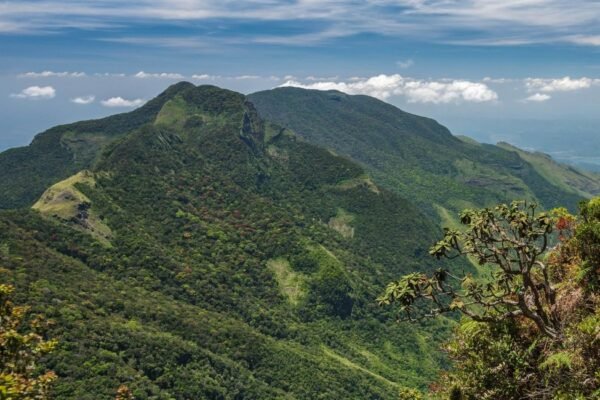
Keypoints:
(20, 349)
(509, 240)
(531, 331)
(124, 393)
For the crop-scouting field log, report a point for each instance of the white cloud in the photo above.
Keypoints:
(489, 79)
(203, 77)
(405, 63)
(36, 92)
(415, 91)
(160, 75)
(121, 102)
(110, 75)
(446, 92)
(83, 100)
(585, 40)
(246, 77)
(504, 22)
(52, 74)
(565, 84)
(538, 98)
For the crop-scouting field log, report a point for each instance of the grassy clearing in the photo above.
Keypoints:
(363, 180)
(341, 223)
(65, 202)
(173, 113)
(290, 283)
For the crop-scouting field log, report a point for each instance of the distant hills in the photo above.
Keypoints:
(584, 183)
(416, 156)
(221, 246)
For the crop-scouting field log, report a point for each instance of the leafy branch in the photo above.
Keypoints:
(509, 239)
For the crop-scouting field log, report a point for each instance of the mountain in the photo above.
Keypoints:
(221, 246)
(200, 251)
(411, 155)
(62, 151)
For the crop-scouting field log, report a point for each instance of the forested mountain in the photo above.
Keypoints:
(199, 248)
(211, 254)
(59, 152)
(409, 154)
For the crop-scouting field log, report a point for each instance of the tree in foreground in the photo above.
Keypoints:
(531, 327)
(20, 349)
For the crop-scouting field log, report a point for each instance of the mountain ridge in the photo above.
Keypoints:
(61, 151)
(415, 156)
(225, 258)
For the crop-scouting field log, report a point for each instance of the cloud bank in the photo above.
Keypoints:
(160, 75)
(52, 74)
(416, 91)
(565, 84)
(538, 98)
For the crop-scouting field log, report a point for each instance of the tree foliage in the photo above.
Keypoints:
(532, 330)
(21, 346)
(510, 240)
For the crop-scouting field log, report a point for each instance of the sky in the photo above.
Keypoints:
(525, 71)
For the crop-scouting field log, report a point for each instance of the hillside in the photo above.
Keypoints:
(203, 252)
(62, 151)
(411, 155)
(583, 183)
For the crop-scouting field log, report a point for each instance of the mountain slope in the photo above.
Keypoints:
(237, 261)
(412, 155)
(585, 184)
(57, 153)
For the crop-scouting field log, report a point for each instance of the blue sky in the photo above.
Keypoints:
(493, 69)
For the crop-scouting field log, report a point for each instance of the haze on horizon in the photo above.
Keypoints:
(527, 72)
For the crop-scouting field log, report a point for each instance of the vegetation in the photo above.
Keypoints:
(232, 284)
(21, 346)
(192, 249)
(531, 328)
(584, 183)
(64, 150)
(415, 156)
